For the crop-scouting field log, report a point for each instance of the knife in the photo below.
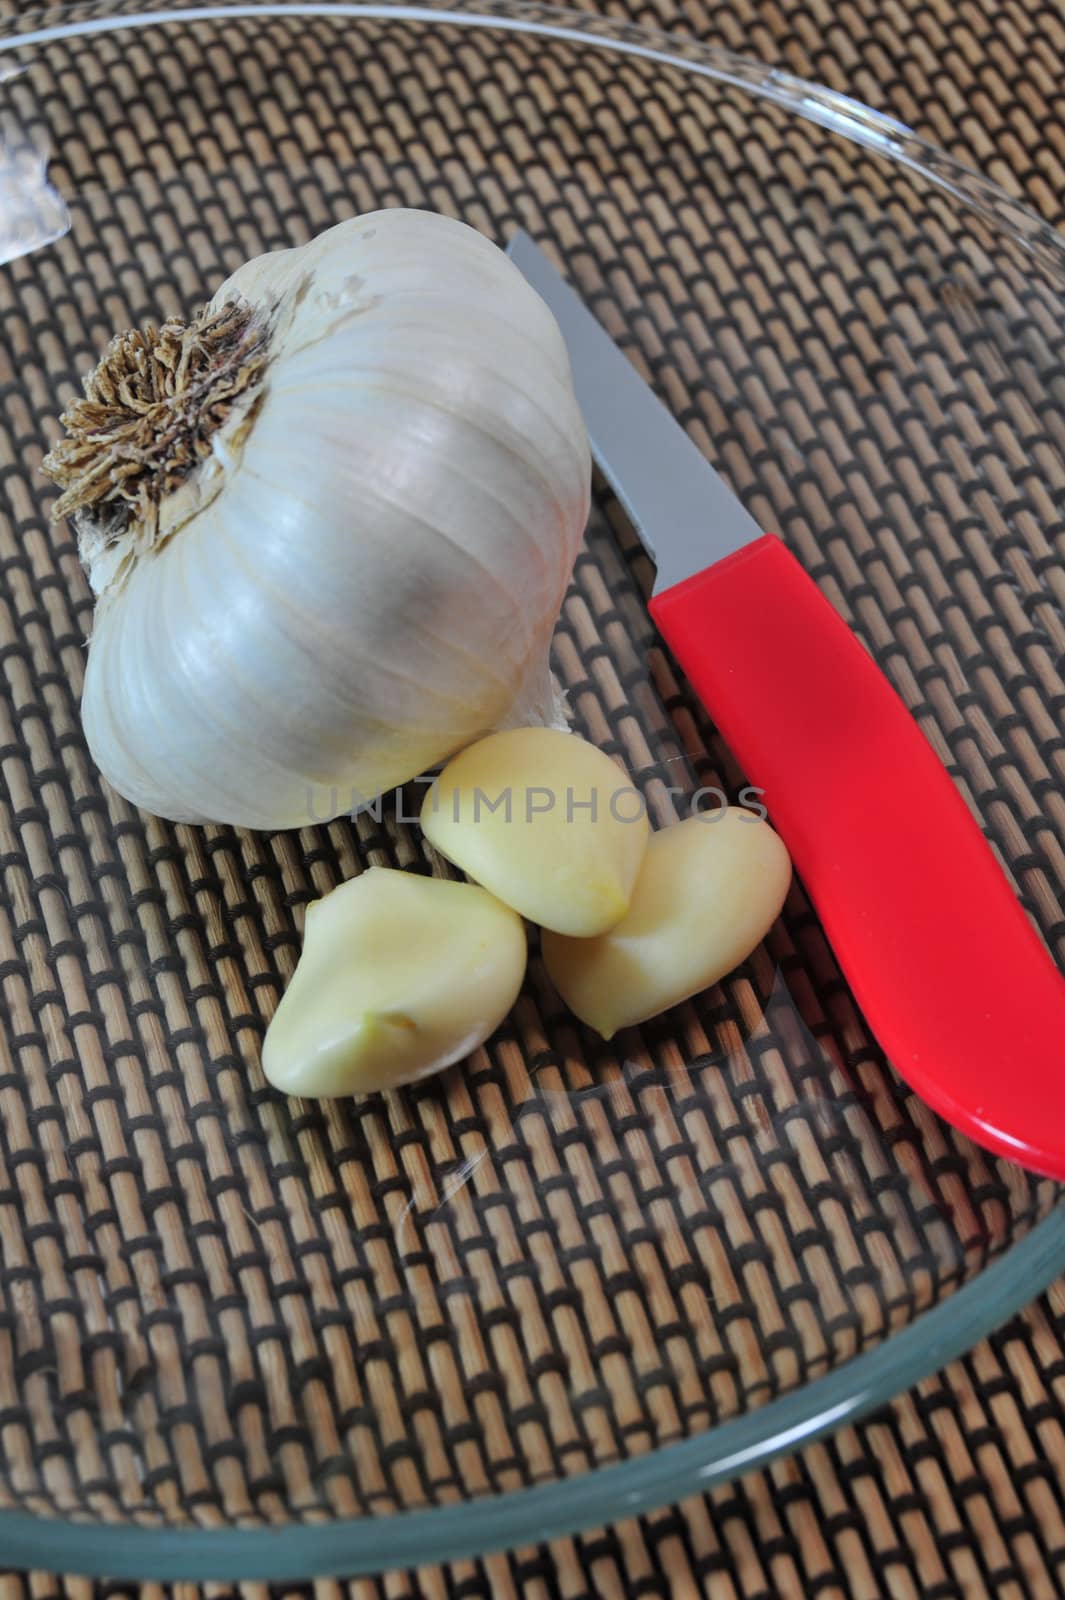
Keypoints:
(953, 979)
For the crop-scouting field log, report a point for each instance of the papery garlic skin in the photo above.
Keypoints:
(364, 577)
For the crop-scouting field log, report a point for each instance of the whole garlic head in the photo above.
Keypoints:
(330, 524)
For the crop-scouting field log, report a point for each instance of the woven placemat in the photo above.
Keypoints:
(145, 1166)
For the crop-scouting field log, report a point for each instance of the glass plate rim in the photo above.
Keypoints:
(436, 1534)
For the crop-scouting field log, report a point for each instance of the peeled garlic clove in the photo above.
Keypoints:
(544, 820)
(329, 521)
(709, 890)
(400, 976)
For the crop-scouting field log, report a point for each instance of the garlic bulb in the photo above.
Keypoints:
(330, 524)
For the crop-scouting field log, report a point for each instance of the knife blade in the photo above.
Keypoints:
(953, 979)
(661, 479)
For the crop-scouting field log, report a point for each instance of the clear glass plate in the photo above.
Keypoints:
(569, 1280)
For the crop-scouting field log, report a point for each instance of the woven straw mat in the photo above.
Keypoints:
(220, 1306)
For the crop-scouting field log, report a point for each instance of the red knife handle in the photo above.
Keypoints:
(952, 977)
